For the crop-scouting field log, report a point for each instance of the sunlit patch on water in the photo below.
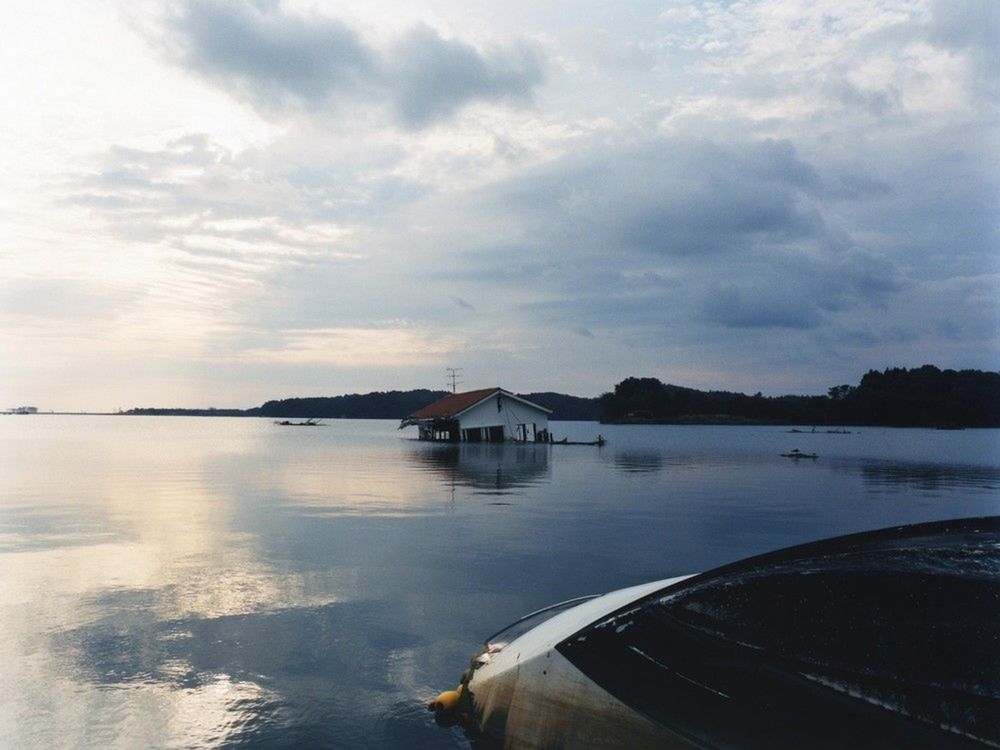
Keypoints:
(218, 712)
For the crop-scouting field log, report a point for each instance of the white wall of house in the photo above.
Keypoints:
(512, 413)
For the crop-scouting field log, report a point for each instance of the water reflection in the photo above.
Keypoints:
(209, 682)
(639, 462)
(487, 468)
(123, 582)
(208, 583)
(902, 476)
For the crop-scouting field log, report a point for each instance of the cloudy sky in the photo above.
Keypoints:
(217, 202)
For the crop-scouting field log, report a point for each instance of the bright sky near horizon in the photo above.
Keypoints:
(220, 202)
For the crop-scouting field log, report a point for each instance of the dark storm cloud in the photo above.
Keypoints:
(672, 197)
(760, 307)
(271, 56)
(431, 77)
(802, 292)
(279, 61)
(678, 232)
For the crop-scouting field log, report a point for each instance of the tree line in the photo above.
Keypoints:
(922, 397)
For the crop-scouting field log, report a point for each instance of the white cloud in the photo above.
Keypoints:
(283, 62)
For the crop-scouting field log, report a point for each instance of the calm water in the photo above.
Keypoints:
(184, 582)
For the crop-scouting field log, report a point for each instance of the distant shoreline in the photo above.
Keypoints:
(694, 420)
(922, 397)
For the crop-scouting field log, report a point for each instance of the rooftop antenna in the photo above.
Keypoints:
(453, 377)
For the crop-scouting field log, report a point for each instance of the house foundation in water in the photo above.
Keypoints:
(488, 415)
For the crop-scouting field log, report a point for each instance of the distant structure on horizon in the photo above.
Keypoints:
(488, 415)
(23, 410)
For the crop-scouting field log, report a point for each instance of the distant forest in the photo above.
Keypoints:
(376, 405)
(922, 397)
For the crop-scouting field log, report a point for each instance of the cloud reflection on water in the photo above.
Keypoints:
(264, 678)
(124, 566)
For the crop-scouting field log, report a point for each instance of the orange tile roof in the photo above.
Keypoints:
(449, 406)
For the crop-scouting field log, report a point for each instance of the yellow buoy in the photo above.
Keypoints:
(446, 702)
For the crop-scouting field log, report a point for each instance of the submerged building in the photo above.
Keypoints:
(489, 415)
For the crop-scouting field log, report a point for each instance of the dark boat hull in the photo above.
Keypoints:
(882, 639)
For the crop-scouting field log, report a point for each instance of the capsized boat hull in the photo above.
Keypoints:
(526, 694)
(882, 639)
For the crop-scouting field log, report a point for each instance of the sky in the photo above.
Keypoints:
(220, 202)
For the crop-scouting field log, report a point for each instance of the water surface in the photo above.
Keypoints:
(189, 582)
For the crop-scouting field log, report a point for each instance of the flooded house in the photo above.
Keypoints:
(488, 415)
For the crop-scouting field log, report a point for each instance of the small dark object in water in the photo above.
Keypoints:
(312, 422)
(796, 453)
(837, 431)
(566, 441)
